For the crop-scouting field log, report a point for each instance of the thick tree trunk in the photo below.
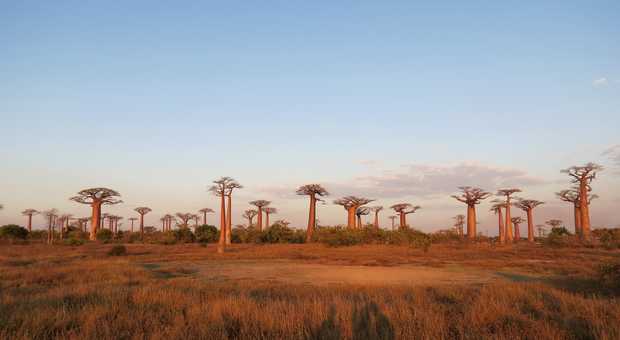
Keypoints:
(577, 212)
(471, 222)
(393, 224)
(351, 217)
(259, 220)
(502, 230)
(222, 241)
(359, 221)
(585, 210)
(311, 219)
(49, 231)
(530, 225)
(508, 222)
(30, 223)
(403, 220)
(229, 220)
(95, 220)
(376, 220)
(142, 226)
(266, 220)
(517, 232)
(204, 218)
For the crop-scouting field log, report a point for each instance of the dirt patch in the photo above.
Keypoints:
(324, 274)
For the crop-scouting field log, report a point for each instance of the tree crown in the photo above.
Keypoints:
(471, 195)
(312, 189)
(352, 201)
(143, 210)
(97, 195)
(260, 203)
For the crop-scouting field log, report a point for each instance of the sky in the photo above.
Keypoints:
(397, 101)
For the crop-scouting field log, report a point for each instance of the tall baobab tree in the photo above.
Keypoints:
(184, 217)
(459, 222)
(168, 223)
(50, 215)
(204, 212)
(260, 204)
(582, 176)
(516, 221)
(249, 215)
(132, 220)
(96, 197)
(64, 224)
(230, 187)
(508, 193)
(350, 204)
(554, 223)
(268, 211)
(196, 219)
(404, 209)
(83, 221)
(312, 190)
(142, 211)
(376, 210)
(572, 196)
(361, 211)
(497, 209)
(220, 190)
(30, 213)
(471, 196)
(528, 206)
(393, 218)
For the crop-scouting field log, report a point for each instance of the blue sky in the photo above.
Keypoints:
(157, 100)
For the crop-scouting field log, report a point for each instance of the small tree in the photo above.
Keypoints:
(404, 209)
(554, 223)
(376, 210)
(516, 221)
(220, 190)
(393, 218)
(572, 196)
(350, 204)
(459, 222)
(249, 215)
(582, 176)
(260, 204)
(312, 191)
(96, 197)
(508, 193)
(361, 211)
(471, 196)
(528, 206)
(204, 212)
(268, 211)
(184, 217)
(497, 209)
(30, 213)
(142, 211)
(50, 215)
(132, 220)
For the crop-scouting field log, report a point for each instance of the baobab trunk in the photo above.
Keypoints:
(530, 226)
(359, 221)
(517, 232)
(471, 222)
(204, 217)
(95, 220)
(502, 230)
(311, 219)
(585, 211)
(30, 223)
(376, 220)
(403, 220)
(49, 230)
(222, 241)
(141, 226)
(508, 223)
(577, 212)
(266, 220)
(259, 220)
(351, 217)
(229, 219)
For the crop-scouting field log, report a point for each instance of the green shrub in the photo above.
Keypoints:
(73, 242)
(38, 235)
(609, 275)
(338, 236)
(104, 235)
(277, 234)
(241, 234)
(559, 231)
(117, 250)
(77, 234)
(609, 238)
(184, 235)
(165, 238)
(206, 233)
(13, 232)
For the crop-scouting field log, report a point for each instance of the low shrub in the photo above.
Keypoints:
(13, 232)
(38, 235)
(609, 238)
(117, 250)
(241, 234)
(609, 275)
(104, 235)
(184, 235)
(73, 242)
(206, 233)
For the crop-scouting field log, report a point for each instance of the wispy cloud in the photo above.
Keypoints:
(600, 82)
(613, 154)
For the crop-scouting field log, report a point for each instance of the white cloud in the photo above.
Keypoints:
(600, 82)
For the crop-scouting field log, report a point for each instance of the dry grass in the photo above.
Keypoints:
(155, 292)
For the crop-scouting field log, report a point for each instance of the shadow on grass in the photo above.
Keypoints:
(368, 322)
(572, 284)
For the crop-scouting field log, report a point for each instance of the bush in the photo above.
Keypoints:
(241, 234)
(559, 231)
(206, 233)
(609, 275)
(104, 235)
(609, 238)
(77, 234)
(338, 236)
(184, 235)
(276, 234)
(38, 235)
(117, 250)
(13, 232)
(73, 242)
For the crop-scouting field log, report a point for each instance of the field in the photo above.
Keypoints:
(306, 291)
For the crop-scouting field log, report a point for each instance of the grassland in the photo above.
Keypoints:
(300, 292)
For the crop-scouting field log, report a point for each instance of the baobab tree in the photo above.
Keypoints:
(50, 215)
(312, 190)
(249, 215)
(30, 213)
(142, 211)
(196, 219)
(471, 196)
(184, 217)
(83, 221)
(554, 223)
(497, 209)
(168, 223)
(516, 221)
(393, 218)
(260, 204)
(64, 224)
(361, 211)
(96, 197)
(219, 189)
(204, 212)
(508, 193)
(572, 196)
(404, 209)
(528, 206)
(376, 210)
(351, 204)
(541, 230)
(132, 220)
(582, 176)
(459, 222)
(268, 211)
(230, 187)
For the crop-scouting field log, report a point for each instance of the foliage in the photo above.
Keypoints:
(77, 234)
(38, 235)
(278, 233)
(241, 234)
(73, 241)
(342, 236)
(609, 238)
(559, 231)
(13, 232)
(117, 250)
(104, 235)
(184, 235)
(206, 233)
(609, 275)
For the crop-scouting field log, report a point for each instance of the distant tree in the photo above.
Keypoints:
(96, 197)
(471, 196)
(132, 220)
(404, 209)
(83, 221)
(142, 211)
(219, 189)
(516, 221)
(350, 204)
(541, 230)
(361, 211)
(230, 187)
(50, 215)
(185, 218)
(583, 176)
(572, 196)
(196, 218)
(496, 208)
(204, 212)
(459, 222)
(528, 206)
(249, 215)
(268, 211)
(393, 218)
(64, 224)
(554, 223)
(312, 190)
(508, 193)
(29, 213)
(260, 204)
(376, 210)
(116, 225)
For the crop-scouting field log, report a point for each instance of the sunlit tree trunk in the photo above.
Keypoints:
(376, 224)
(577, 212)
(351, 217)
(95, 220)
(229, 219)
(517, 231)
(471, 221)
(223, 226)
(502, 229)
(530, 226)
(259, 220)
(585, 211)
(311, 219)
(30, 223)
(509, 236)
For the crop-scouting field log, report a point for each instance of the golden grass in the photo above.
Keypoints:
(81, 293)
